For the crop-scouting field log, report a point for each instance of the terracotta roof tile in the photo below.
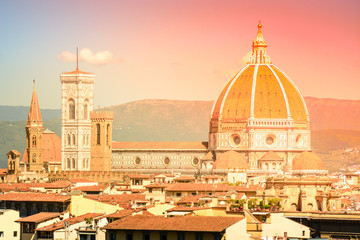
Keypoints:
(191, 198)
(187, 223)
(15, 152)
(80, 180)
(139, 176)
(124, 200)
(160, 145)
(271, 156)
(96, 188)
(200, 187)
(231, 160)
(307, 161)
(71, 221)
(39, 217)
(121, 213)
(34, 197)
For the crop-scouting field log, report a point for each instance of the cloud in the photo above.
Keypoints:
(229, 72)
(245, 58)
(87, 55)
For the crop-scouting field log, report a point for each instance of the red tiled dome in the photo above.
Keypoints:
(259, 90)
(230, 160)
(307, 161)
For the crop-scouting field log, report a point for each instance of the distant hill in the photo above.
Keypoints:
(19, 113)
(335, 123)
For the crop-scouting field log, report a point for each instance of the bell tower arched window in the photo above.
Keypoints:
(86, 109)
(34, 141)
(71, 109)
(98, 134)
(108, 134)
(34, 158)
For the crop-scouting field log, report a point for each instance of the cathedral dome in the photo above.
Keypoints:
(230, 160)
(260, 90)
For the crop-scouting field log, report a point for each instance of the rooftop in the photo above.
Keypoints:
(187, 223)
(39, 217)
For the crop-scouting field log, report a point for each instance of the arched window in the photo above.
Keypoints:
(68, 163)
(86, 109)
(84, 163)
(73, 163)
(98, 134)
(74, 142)
(34, 158)
(69, 139)
(108, 134)
(34, 141)
(71, 109)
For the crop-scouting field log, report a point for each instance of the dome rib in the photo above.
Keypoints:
(283, 91)
(292, 98)
(230, 86)
(220, 98)
(253, 88)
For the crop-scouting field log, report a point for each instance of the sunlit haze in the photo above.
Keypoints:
(184, 50)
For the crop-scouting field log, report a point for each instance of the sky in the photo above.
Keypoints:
(178, 49)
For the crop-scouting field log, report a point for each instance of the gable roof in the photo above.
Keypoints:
(39, 217)
(186, 223)
(34, 197)
(71, 221)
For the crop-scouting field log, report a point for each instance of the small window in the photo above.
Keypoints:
(129, 236)
(112, 236)
(180, 236)
(178, 194)
(71, 109)
(150, 190)
(85, 111)
(163, 236)
(34, 141)
(198, 236)
(1, 234)
(146, 235)
(108, 135)
(166, 161)
(15, 233)
(98, 134)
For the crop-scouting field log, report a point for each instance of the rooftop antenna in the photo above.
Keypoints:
(77, 58)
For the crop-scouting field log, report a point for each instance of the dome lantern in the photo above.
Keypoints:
(259, 45)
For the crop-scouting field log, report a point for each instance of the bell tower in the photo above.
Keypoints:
(77, 101)
(34, 132)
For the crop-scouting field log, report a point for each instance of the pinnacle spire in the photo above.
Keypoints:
(34, 115)
(259, 45)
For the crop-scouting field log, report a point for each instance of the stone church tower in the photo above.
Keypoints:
(101, 141)
(77, 101)
(34, 132)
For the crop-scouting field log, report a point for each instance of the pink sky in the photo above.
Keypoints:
(175, 49)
